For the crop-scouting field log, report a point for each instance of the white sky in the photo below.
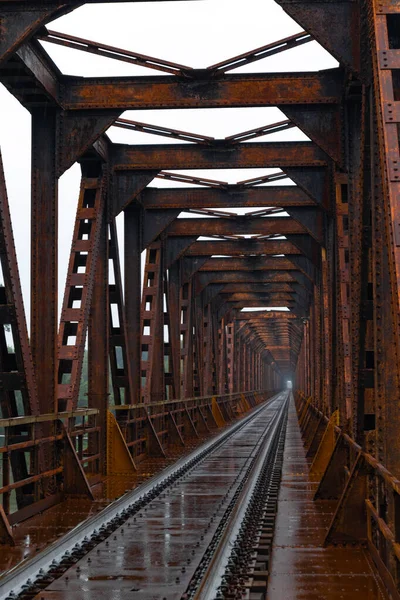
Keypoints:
(196, 34)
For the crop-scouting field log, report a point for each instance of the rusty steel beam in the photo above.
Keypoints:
(133, 286)
(121, 374)
(44, 268)
(259, 288)
(242, 247)
(173, 321)
(233, 196)
(230, 90)
(254, 263)
(112, 52)
(99, 326)
(194, 156)
(202, 279)
(246, 58)
(258, 263)
(251, 134)
(240, 225)
(293, 303)
(184, 178)
(41, 78)
(266, 291)
(268, 315)
(263, 297)
(296, 293)
(163, 65)
(167, 132)
(238, 306)
(197, 138)
(89, 239)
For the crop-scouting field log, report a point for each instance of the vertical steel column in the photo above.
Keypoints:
(258, 359)
(152, 327)
(342, 209)
(44, 256)
(173, 321)
(245, 366)
(306, 368)
(326, 334)
(237, 365)
(216, 352)
(133, 295)
(186, 335)
(208, 350)
(251, 368)
(386, 203)
(230, 356)
(316, 345)
(223, 358)
(78, 293)
(98, 348)
(239, 372)
(243, 362)
(199, 346)
(119, 362)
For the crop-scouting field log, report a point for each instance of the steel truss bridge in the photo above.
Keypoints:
(172, 359)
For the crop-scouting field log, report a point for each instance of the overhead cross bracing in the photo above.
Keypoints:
(263, 255)
(265, 200)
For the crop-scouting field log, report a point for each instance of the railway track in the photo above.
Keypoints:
(201, 529)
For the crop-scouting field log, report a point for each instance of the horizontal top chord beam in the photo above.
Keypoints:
(190, 156)
(245, 247)
(268, 89)
(233, 196)
(206, 227)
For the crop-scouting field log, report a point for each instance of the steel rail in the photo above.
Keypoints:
(23, 576)
(213, 576)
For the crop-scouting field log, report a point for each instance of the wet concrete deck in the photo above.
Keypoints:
(301, 568)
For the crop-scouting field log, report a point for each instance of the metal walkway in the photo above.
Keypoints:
(301, 567)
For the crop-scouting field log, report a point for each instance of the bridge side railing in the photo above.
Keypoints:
(71, 443)
(151, 429)
(367, 494)
(69, 439)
